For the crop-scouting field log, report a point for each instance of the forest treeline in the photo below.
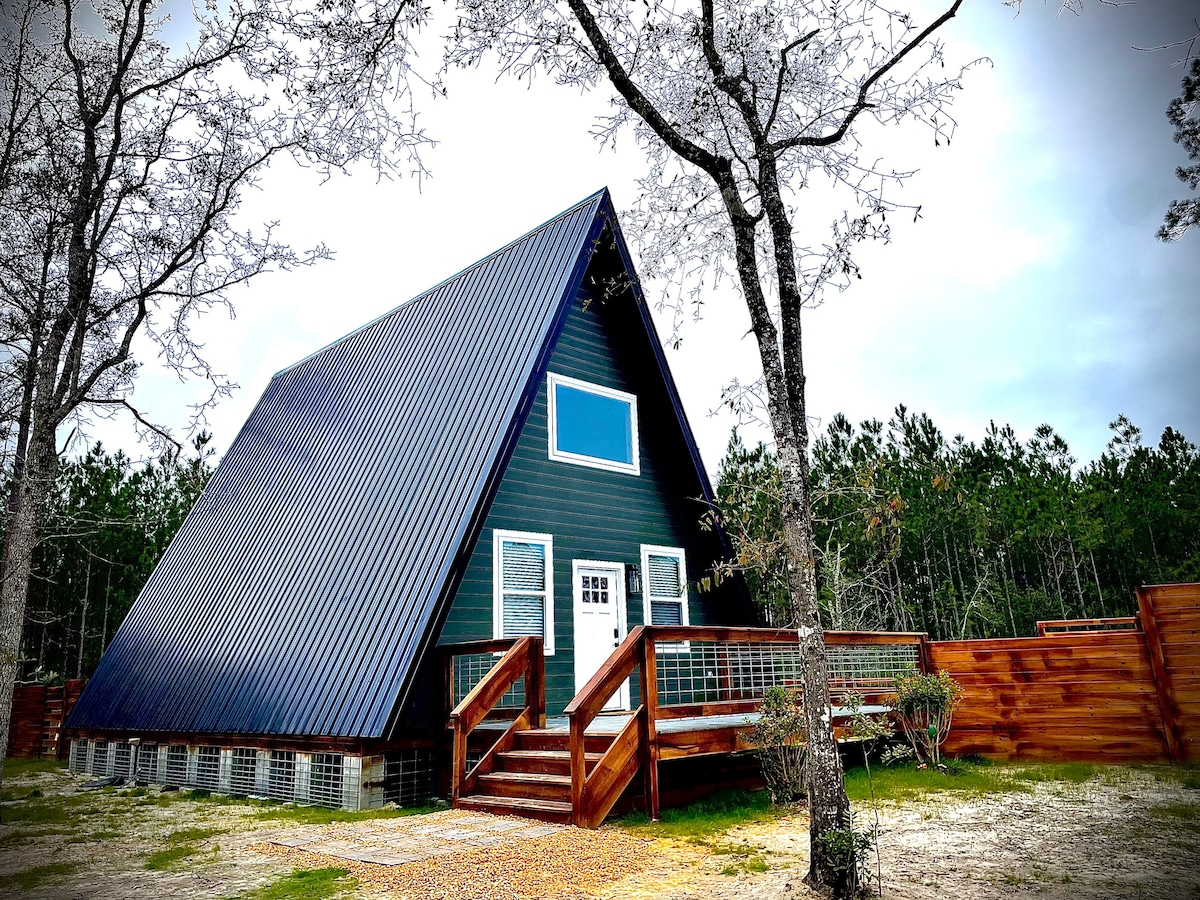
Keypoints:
(914, 532)
(111, 519)
(962, 540)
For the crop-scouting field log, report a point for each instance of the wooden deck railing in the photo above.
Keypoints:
(523, 658)
(594, 793)
(1087, 626)
(697, 671)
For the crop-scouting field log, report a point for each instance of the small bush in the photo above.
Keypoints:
(924, 706)
(847, 851)
(781, 737)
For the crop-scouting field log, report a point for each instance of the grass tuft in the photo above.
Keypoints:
(161, 860)
(1072, 772)
(907, 782)
(19, 768)
(709, 816)
(1183, 812)
(305, 884)
(39, 811)
(28, 879)
(180, 845)
(320, 815)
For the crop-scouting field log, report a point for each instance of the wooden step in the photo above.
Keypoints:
(542, 810)
(525, 785)
(544, 739)
(545, 762)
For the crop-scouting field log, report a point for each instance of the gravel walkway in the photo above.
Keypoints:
(464, 856)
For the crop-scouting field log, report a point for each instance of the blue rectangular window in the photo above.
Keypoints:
(592, 425)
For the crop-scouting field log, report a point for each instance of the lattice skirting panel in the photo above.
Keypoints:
(336, 780)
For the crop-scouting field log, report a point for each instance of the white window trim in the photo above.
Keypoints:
(528, 537)
(579, 459)
(677, 552)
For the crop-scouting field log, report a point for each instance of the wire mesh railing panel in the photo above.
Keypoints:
(146, 765)
(177, 762)
(469, 669)
(869, 668)
(243, 763)
(77, 762)
(100, 758)
(123, 761)
(208, 768)
(409, 777)
(720, 671)
(325, 779)
(281, 775)
(726, 671)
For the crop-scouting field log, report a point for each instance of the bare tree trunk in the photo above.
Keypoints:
(87, 590)
(1099, 590)
(1075, 571)
(22, 526)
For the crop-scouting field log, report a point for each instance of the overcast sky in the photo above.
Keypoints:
(1032, 290)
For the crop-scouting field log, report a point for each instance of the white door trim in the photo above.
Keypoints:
(618, 571)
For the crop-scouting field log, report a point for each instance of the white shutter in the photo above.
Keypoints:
(666, 612)
(663, 578)
(524, 566)
(665, 591)
(524, 614)
(523, 590)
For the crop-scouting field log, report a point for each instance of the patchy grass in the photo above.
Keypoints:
(1072, 772)
(1180, 812)
(66, 809)
(744, 857)
(192, 835)
(907, 782)
(20, 768)
(28, 879)
(180, 845)
(702, 819)
(319, 815)
(305, 884)
(161, 860)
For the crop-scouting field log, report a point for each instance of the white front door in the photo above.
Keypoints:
(599, 589)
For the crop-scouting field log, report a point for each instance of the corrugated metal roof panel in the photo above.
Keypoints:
(297, 597)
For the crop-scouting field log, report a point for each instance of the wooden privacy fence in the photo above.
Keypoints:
(38, 714)
(1104, 690)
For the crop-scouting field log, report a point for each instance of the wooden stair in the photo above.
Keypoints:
(533, 778)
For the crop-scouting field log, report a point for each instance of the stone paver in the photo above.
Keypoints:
(398, 841)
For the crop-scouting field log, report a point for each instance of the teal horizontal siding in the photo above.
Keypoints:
(595, 514)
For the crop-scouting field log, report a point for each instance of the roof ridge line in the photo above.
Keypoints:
(429, 291)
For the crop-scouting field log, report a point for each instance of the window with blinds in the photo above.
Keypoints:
(523, 586)
(665, 588)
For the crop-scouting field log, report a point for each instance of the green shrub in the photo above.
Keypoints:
(924, 706)
(781, 737)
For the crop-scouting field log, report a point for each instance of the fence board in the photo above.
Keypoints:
(1088, 696)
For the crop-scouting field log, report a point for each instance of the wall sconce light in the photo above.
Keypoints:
(633, 580)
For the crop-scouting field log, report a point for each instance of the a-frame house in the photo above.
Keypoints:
(502, 456)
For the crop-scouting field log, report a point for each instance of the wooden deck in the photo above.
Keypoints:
(698, 690)
(1124, 689)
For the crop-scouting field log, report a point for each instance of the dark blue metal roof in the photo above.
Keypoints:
(301, 593)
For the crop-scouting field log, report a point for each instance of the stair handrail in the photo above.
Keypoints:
(524, 659)
(593, 794)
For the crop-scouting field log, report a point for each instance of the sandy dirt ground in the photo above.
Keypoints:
(1124, 834)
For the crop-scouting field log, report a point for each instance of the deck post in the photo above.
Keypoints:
(1152, 641)
(925, 656)
(649, 729)
(578, 770)
(535, 684)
